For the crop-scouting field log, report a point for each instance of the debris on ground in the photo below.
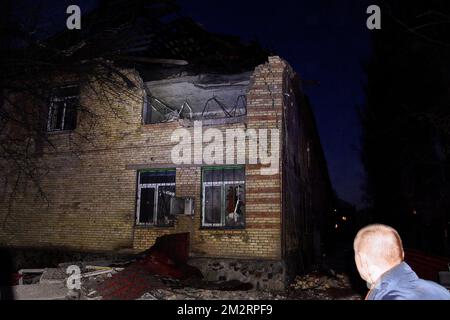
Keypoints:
(202, 294)
(51, 283)
(53, 276)
(199, 283)
(40, 292)
(321, 286)
(320, 282)
(162, 273)
(166, 258)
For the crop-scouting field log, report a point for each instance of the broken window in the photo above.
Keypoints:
(156, 189)
(62, 115)
(223, 197)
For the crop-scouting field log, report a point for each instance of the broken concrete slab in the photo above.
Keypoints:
(83, 264)
(53, 276)
(98, 273)
(40, 291)
(28, 276)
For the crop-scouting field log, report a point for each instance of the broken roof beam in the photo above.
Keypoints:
(186, 123)
(155, 60)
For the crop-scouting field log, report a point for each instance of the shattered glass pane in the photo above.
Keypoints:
(225, 201)
(213, 205)
(147, 206)
(235, 205)
(165, 194)
(153, 185)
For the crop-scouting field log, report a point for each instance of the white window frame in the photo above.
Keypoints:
(155, 202)
(54, 99)
(223, 185)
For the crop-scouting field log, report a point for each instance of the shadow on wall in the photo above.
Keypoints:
(6, 272)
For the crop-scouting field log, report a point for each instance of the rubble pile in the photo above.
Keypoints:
(318, 282)
(162, 273)
(317, 286)
(203, 294)
(51, 283)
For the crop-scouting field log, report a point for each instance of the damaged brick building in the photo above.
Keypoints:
(121, 189)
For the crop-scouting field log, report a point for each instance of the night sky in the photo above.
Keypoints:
(324, 40)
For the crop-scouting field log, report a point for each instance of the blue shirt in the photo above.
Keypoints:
(402, 283)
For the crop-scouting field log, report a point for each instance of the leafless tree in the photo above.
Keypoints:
(30, 67)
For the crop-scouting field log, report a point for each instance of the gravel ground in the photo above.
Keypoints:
(314, 286)
(203, 294)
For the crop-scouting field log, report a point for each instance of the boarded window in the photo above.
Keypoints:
(62, 115)
(223, 197)
(156, 189)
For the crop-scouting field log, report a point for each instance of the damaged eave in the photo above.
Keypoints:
(214, 122)
(175, 62)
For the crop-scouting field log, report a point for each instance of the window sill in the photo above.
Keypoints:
(223, 228)
(52, 133)
(152, 226)
(158, 124)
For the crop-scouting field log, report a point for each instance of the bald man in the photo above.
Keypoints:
(379, 258)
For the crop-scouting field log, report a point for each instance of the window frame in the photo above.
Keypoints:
(155, 201)
(223, 185)
(56, 98)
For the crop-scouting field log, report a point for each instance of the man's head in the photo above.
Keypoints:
(378, 248)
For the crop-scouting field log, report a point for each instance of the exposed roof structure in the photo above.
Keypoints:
(202, 96)
(189, 73)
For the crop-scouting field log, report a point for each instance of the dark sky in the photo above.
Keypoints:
(324, 40)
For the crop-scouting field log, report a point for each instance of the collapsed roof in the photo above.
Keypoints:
(143, 32)
(201, 96)
(188, 71)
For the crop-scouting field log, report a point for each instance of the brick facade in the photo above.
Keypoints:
(92, 194)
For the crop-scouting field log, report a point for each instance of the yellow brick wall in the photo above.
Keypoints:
(92, 194)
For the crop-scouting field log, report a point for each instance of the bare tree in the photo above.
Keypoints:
(33, 69)
(119, 42)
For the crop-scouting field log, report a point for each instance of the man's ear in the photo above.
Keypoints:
(364, 261)
(403, 255)
(357, 257)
